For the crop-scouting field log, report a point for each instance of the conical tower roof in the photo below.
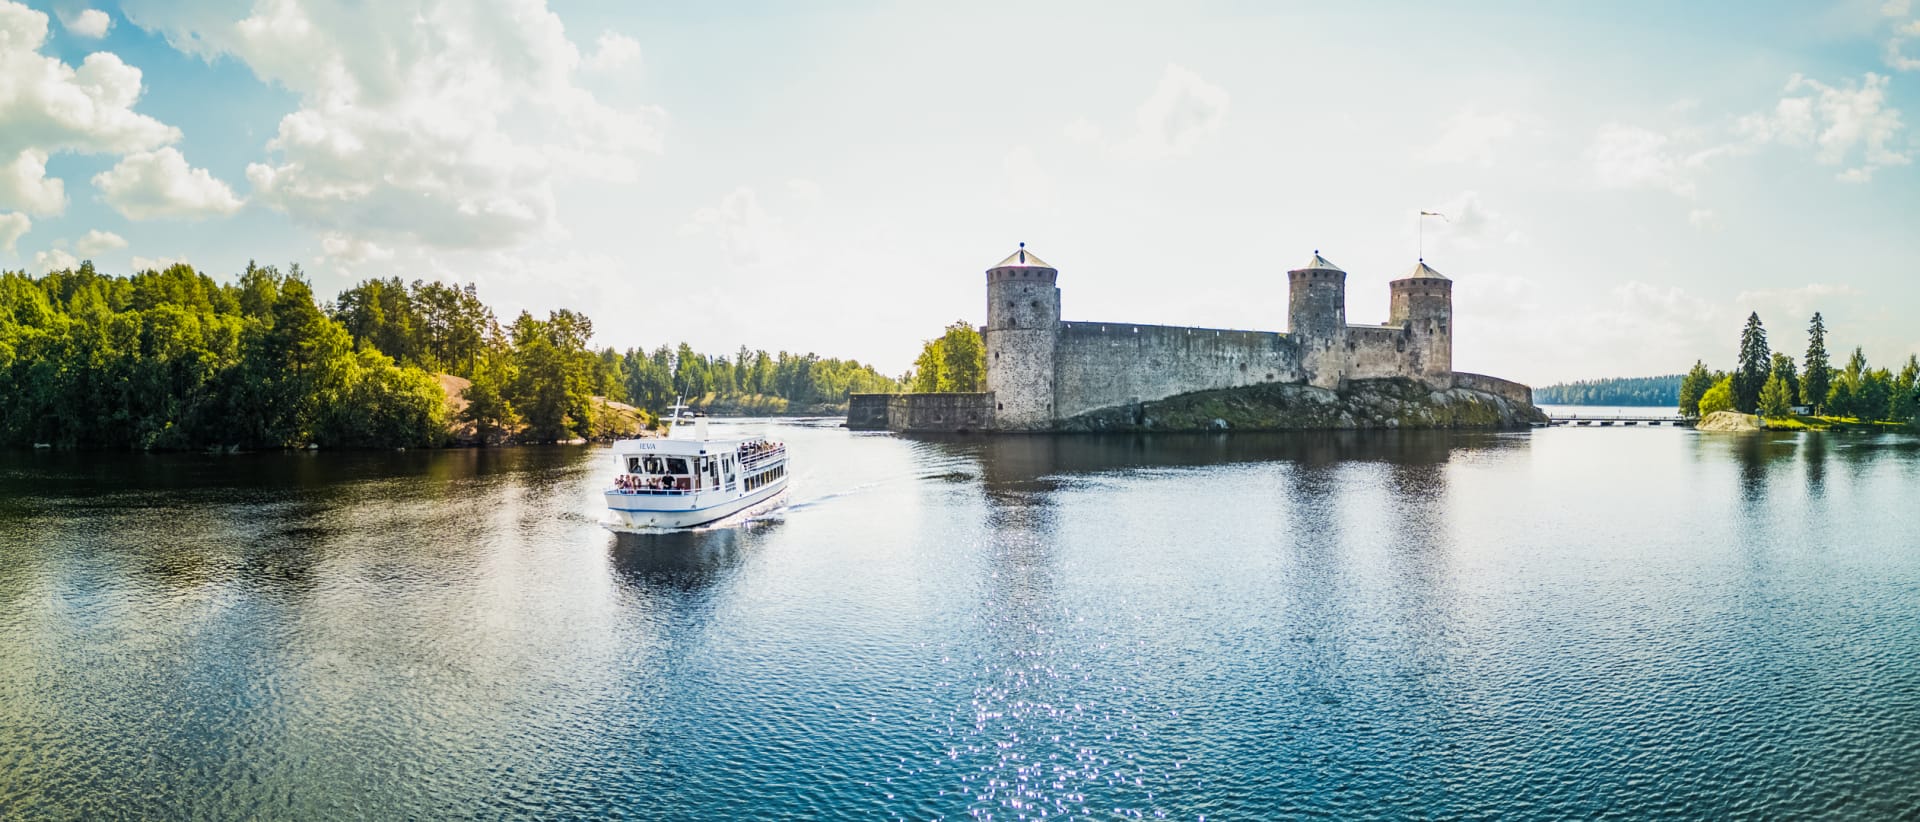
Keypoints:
(1319, 263)
(1022, 259)
(1423, 271)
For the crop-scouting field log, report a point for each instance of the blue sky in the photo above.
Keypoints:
(1625, 181)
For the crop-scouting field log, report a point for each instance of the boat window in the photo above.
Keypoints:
(676, 465)
(633, 465)
(654, 466)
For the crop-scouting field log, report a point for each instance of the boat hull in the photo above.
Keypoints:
(646, 511)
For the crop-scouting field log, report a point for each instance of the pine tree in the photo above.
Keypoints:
(1905, 404)
(1694, 384)
(1755, 365)
(1817, 378)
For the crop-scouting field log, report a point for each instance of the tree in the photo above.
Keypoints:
(1783, 368)
(1905, 404)
(927, 369)
(1695, 383)
(1756, 364)
(1718, 398)
(965, 364)
(553, 385)
(1776, 400)
(1816, 380)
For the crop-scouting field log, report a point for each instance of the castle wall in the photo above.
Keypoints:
(1097, 365)
(1377, 352)
(867, 412)
(954, 412)
(1512, 391)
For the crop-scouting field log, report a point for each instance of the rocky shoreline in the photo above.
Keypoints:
(1368, 404)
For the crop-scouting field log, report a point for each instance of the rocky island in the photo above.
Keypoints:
(1048, 375)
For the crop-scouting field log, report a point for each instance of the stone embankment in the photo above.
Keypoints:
(1367, 404)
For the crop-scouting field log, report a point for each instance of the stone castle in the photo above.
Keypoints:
(1043, 371)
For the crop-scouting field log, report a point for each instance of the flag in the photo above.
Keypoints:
(1434, 214)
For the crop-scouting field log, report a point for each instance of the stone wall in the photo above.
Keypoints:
(1378, 352)
(1097, 365)
(1510, 390)
(952, 413)
(867, 412)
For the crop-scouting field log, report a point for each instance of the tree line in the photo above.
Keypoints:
(1613, 391)
(172, 359)
(1772, 385)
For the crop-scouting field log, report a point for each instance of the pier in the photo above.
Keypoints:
(1623, 420)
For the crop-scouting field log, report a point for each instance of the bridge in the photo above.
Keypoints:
(1610, 420)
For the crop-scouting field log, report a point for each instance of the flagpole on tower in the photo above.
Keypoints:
(1423, 231)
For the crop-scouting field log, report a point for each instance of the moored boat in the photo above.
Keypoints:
(689, 478)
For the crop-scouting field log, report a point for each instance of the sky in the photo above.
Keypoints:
(1623, 181)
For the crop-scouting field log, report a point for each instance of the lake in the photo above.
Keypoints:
(1575, 622)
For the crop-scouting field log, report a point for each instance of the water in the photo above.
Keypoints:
(1563, 623)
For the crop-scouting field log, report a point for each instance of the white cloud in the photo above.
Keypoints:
(1469, 137)
(97, 242)
(1628, 157)
(449, 129)
(1469, 224)
(1896, 8)
(1850, 124)
(1703, 218)
(90, 23)
(13, 226)
(140, 263)
(50, 106)
(1183, 110)
(24, 184)
(54, 259)
(346, 250)
(1082, 131)
(47, 106)
(154, 184)
(613, 52)
(748, 234)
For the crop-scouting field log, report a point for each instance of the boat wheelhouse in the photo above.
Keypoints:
(681, 481)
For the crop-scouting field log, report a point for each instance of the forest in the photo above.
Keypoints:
(1772, 385)
(1613, 391)
(175, 360)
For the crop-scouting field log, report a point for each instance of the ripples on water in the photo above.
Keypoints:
(1567, 623)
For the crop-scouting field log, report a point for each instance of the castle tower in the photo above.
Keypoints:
(1317, 320)
(1423, 304)
(1023, 324)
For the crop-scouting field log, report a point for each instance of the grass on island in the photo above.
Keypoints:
(1804, 422)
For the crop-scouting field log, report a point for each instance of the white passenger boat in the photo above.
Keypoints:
(689, 478)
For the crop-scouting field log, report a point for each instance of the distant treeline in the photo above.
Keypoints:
(175, 360)
(1615, 391)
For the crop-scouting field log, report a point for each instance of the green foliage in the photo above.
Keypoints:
(434, 326)
(1755, 365)
(1776, 399)
(552, 387)
(1695, 383)
(1905, 405)
(954, 361)
(752, 382)
(1784, 369)
(1718, 398)
(171, 359)
(1614, 391)
(1817, 378)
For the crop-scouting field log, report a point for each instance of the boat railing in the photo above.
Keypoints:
(653, 492)
(764, 457)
